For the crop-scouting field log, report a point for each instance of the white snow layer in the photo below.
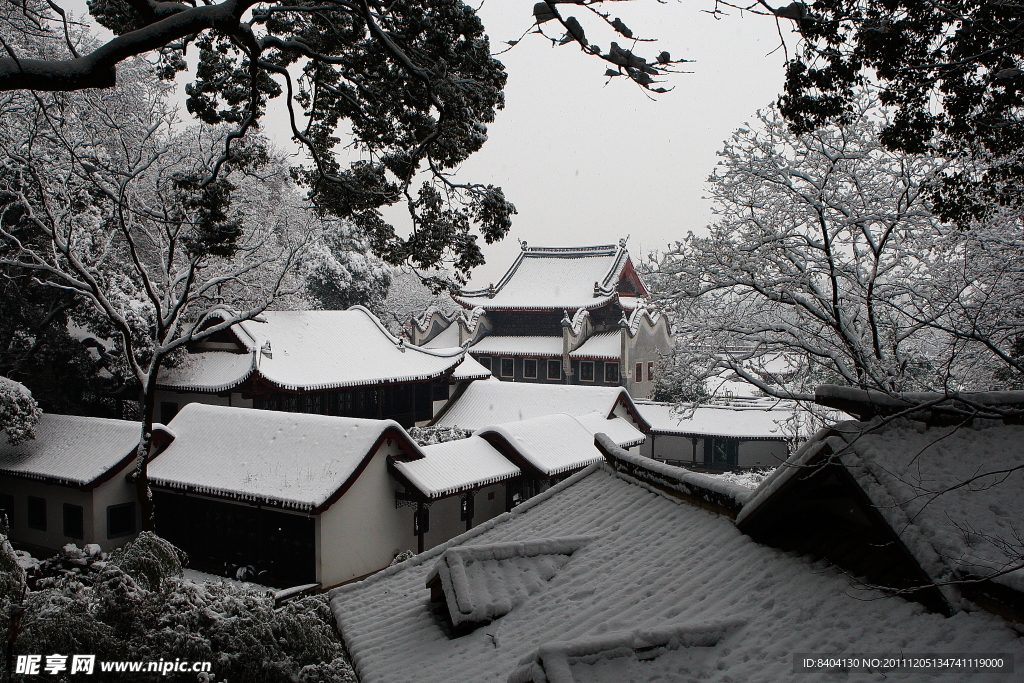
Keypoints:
(621, 431)
(652, 561)
(489, 403)
(741, 422)
(519, 346)
(957, 490)
(482, 583)
(458, 465)
(295, 459)
(469, 368)
(313, 350)
(551, 443)
(541, 280)
(71, 449)
(448, 338)
(608, 656)
(603, 346)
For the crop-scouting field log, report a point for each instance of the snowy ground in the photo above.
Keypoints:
(751, 479)
(199, 577)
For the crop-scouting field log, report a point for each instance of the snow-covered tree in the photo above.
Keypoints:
(18, 411)
(104, 196)
(341, 271)
(808, 269)
(135, 604)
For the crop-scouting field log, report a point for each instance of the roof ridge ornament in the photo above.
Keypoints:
(490, 291)
(622, 241)
(566, 322)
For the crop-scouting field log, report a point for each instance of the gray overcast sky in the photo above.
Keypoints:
(587, 162)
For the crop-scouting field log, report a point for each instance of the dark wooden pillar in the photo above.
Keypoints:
(420, 531)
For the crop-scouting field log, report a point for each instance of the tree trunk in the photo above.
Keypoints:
(145, 496)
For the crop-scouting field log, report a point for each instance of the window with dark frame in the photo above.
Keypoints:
(554, 369)
(120, 520)
(37, 513)
(530, 368)
(74, 521)
(484, 361)
(508, 368)
(611, 372)
(638, 373)
(650, 372)
(587, 371)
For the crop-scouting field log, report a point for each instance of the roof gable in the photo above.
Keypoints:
(548, 445)
(291, 460)
(455, 466)
(557, 278)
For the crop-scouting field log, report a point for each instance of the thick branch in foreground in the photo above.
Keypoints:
(98, 68)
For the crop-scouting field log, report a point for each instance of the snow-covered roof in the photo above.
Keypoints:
(312, 350)
(209, 371)
(621, 431)
(72, 450)
(293, 460)
(455, 466)
(518, 346)
(488, 403)
(469, 368)
(656, 572)
(481, 583)
(557, 278)
(760, 422)
(601, 346)
(551, 444)
(445, 339)
(950, 493)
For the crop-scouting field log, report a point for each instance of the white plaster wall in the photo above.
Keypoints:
(444, 521)
(363, 531)
(668, 447)
(762, 453)
(113, 492)
(55, 496)
(489, 509)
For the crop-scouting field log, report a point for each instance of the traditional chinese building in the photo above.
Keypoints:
(341, 363)
(560, 315)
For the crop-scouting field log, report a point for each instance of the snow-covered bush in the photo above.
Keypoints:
(18, 411)
(135, 605)
(426, 436)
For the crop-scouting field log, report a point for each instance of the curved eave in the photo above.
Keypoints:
(505, 354)
(326, 386)
(698, 435)
(464, 488)
(83, 484)
(47, 478)
(250, 498)
(594, 357)
(475, 303)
